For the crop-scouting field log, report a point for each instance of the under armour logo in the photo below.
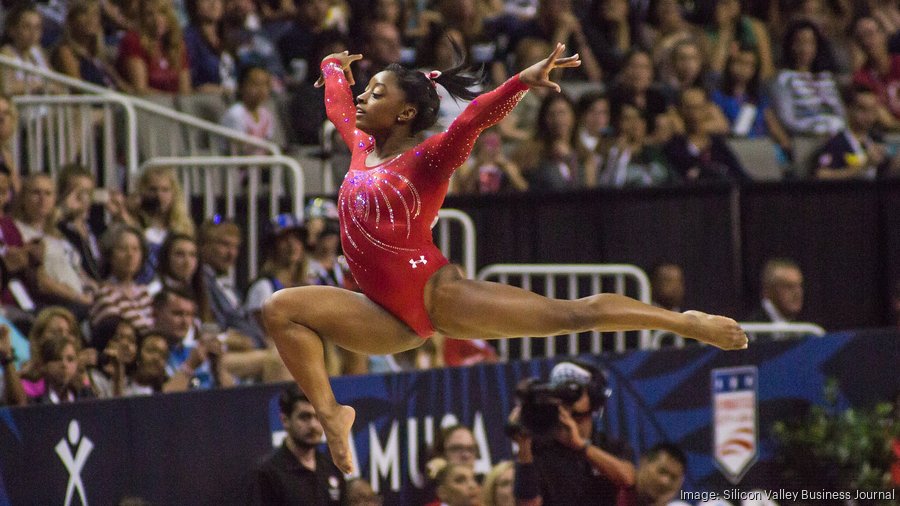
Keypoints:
(415, 263)
(75, 464)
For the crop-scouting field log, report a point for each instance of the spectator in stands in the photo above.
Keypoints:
(82, 52)
(120, 295)
(158, 208)
(806, 95)
(112, 377)
(520, 124)
(667, 284)
(75, 186)
(659, 476)
(153, 58)
(297, 473)
(194, 359)
(306, 109)
(686, 69)
(593, 120)
(832, 18)
(700, 155)
(666, 27)
(727, 26)
(297, 45)
(179, 269)
(630, 159)
(119, 17)
(17, 260)
(59, 278)
(250, 115)
(360, 493)
(22, 42)
(456, 484)
(554, 159)
(11, 393)
(381, 46)
(580, 465)
(150, 369)
(284, 265)
(635, 85)
(782, 292)
(276, 16)
(880, 71)
(745, 103)
(219, 246)
(857, 152)
(51, 321)
(252, 45)
(456, 444)
(488, 171)
(439, 49)
(319, 213)
(59, 372)
(213, 66)
(498, 485)
(554, 22)
(9, 125)
(611, 28)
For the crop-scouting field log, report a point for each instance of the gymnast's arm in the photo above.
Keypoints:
(339, 106)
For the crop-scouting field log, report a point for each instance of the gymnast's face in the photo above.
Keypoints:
(382, 105)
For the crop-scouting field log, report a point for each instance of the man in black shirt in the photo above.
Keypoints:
(579, 465)
(296, 473)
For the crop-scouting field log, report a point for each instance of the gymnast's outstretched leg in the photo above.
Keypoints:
(298, 319)
(465, 308)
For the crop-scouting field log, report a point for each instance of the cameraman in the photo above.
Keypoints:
(574, 464)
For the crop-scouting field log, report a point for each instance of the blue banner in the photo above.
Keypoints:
(200, 447)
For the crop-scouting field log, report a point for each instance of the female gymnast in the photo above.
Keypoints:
(387, 203)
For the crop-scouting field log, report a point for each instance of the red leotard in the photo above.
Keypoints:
(387, 211)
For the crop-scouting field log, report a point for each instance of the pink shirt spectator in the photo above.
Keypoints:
(239, 118)
(885, 86)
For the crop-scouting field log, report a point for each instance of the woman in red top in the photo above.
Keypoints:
(154, 58)
(387, 203)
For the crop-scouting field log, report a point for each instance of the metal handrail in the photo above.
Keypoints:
(445, 216)
(107, 98)
(620, 271)
(212, 162)
(142, 104)
(778, 330)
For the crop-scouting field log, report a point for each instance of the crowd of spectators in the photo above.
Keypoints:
(665, 90)
(665, 87)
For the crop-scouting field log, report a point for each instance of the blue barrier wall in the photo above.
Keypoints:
(199, 447)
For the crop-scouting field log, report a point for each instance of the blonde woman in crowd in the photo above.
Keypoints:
(153, 58)
(498, 485)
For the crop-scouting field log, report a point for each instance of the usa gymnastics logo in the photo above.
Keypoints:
(736, 431)
(74, 462)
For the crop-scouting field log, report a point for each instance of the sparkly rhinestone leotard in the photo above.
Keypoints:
(386, 211)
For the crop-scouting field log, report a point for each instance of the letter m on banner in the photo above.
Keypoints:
(735, 425)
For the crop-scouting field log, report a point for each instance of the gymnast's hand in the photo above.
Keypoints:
(346, 59)
(538, 75)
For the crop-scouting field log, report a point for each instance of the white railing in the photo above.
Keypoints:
(327, 144)
(176, 126)
(775, 331)
(444, 240)
(64, 128)
(620, 275)
(213, 169)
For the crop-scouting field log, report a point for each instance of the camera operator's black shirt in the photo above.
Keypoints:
(567, 477)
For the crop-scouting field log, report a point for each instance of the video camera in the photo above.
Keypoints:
(540, 401)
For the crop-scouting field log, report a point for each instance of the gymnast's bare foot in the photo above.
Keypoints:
(718, 331)
(337, 425)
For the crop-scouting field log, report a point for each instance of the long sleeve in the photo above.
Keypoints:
(339, 106)
(448, 150)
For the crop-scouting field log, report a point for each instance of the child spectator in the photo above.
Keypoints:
(112, 377)
(249, 115)
(285, 263)
(59, 371)
(498, 485)
(592, 112)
